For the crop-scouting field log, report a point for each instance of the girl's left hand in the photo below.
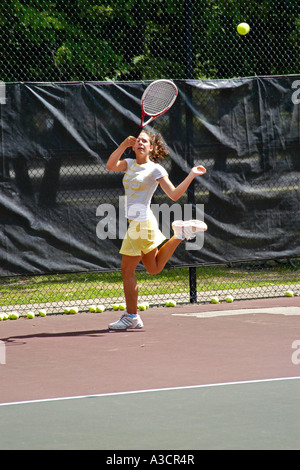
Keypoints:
(198, 170)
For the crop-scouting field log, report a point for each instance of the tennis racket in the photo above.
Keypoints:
(158, 98)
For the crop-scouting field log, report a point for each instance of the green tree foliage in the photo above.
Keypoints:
(71, 40)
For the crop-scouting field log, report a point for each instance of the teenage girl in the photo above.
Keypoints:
(142, 176)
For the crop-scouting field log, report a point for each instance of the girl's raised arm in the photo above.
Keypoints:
(114, 163)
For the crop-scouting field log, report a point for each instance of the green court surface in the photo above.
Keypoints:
(243, 415)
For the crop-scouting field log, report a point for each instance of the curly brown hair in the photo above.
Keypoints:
(160, 150)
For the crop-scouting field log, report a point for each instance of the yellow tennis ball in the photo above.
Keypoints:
(170, 303)
(92, 308)
(243, 28)
(14, 316)
(289, 293)
(74, 310)
(100, 308)
(30, 315)
(215, 300)
(42, 313)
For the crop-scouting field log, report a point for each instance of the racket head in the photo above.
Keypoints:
(158, 98)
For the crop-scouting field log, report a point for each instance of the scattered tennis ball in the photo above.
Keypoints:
(1, 316)
(74, 310)
(146, 304)
(67, 310)
(142, 307)
(30, 315)
(215, 300)
(92, 308)
(122, 306)
(170, 303)
(100, 308)
(229, 298)
(42, 313)
(115, 306)
(289, 293)
(14, 316)
(243, 28)
(5, 316)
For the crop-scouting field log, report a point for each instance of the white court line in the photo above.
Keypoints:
(188, 387)
(243, 311)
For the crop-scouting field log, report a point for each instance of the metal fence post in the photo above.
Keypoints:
(189, 128)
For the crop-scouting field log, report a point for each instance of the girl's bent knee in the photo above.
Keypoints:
(153, 270)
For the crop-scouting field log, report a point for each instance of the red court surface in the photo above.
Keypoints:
(76, 355)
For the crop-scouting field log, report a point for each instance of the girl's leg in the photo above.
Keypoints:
(154, 263)
(128, 266)
(155, 260)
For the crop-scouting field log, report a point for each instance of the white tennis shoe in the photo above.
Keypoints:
(187, 229)
(127, 323)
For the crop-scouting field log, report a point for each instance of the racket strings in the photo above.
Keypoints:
(159, 98)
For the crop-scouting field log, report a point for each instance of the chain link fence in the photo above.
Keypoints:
(88, 40)
(127, 40)
(58, 292)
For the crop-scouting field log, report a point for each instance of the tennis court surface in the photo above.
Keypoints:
(196, 377)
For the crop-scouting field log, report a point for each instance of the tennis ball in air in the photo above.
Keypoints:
(229, 298)
(243, 28)
(142, 307)
(92, 308)
(30, 315)
(215, 300)
(122, 306)
(14, 316)
(42, 313)
(115, 306)
(100, 308)
(289, 293)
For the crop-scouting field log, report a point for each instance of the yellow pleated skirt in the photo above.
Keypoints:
(142, 237)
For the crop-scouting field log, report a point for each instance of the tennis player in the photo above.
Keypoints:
(142, 176)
